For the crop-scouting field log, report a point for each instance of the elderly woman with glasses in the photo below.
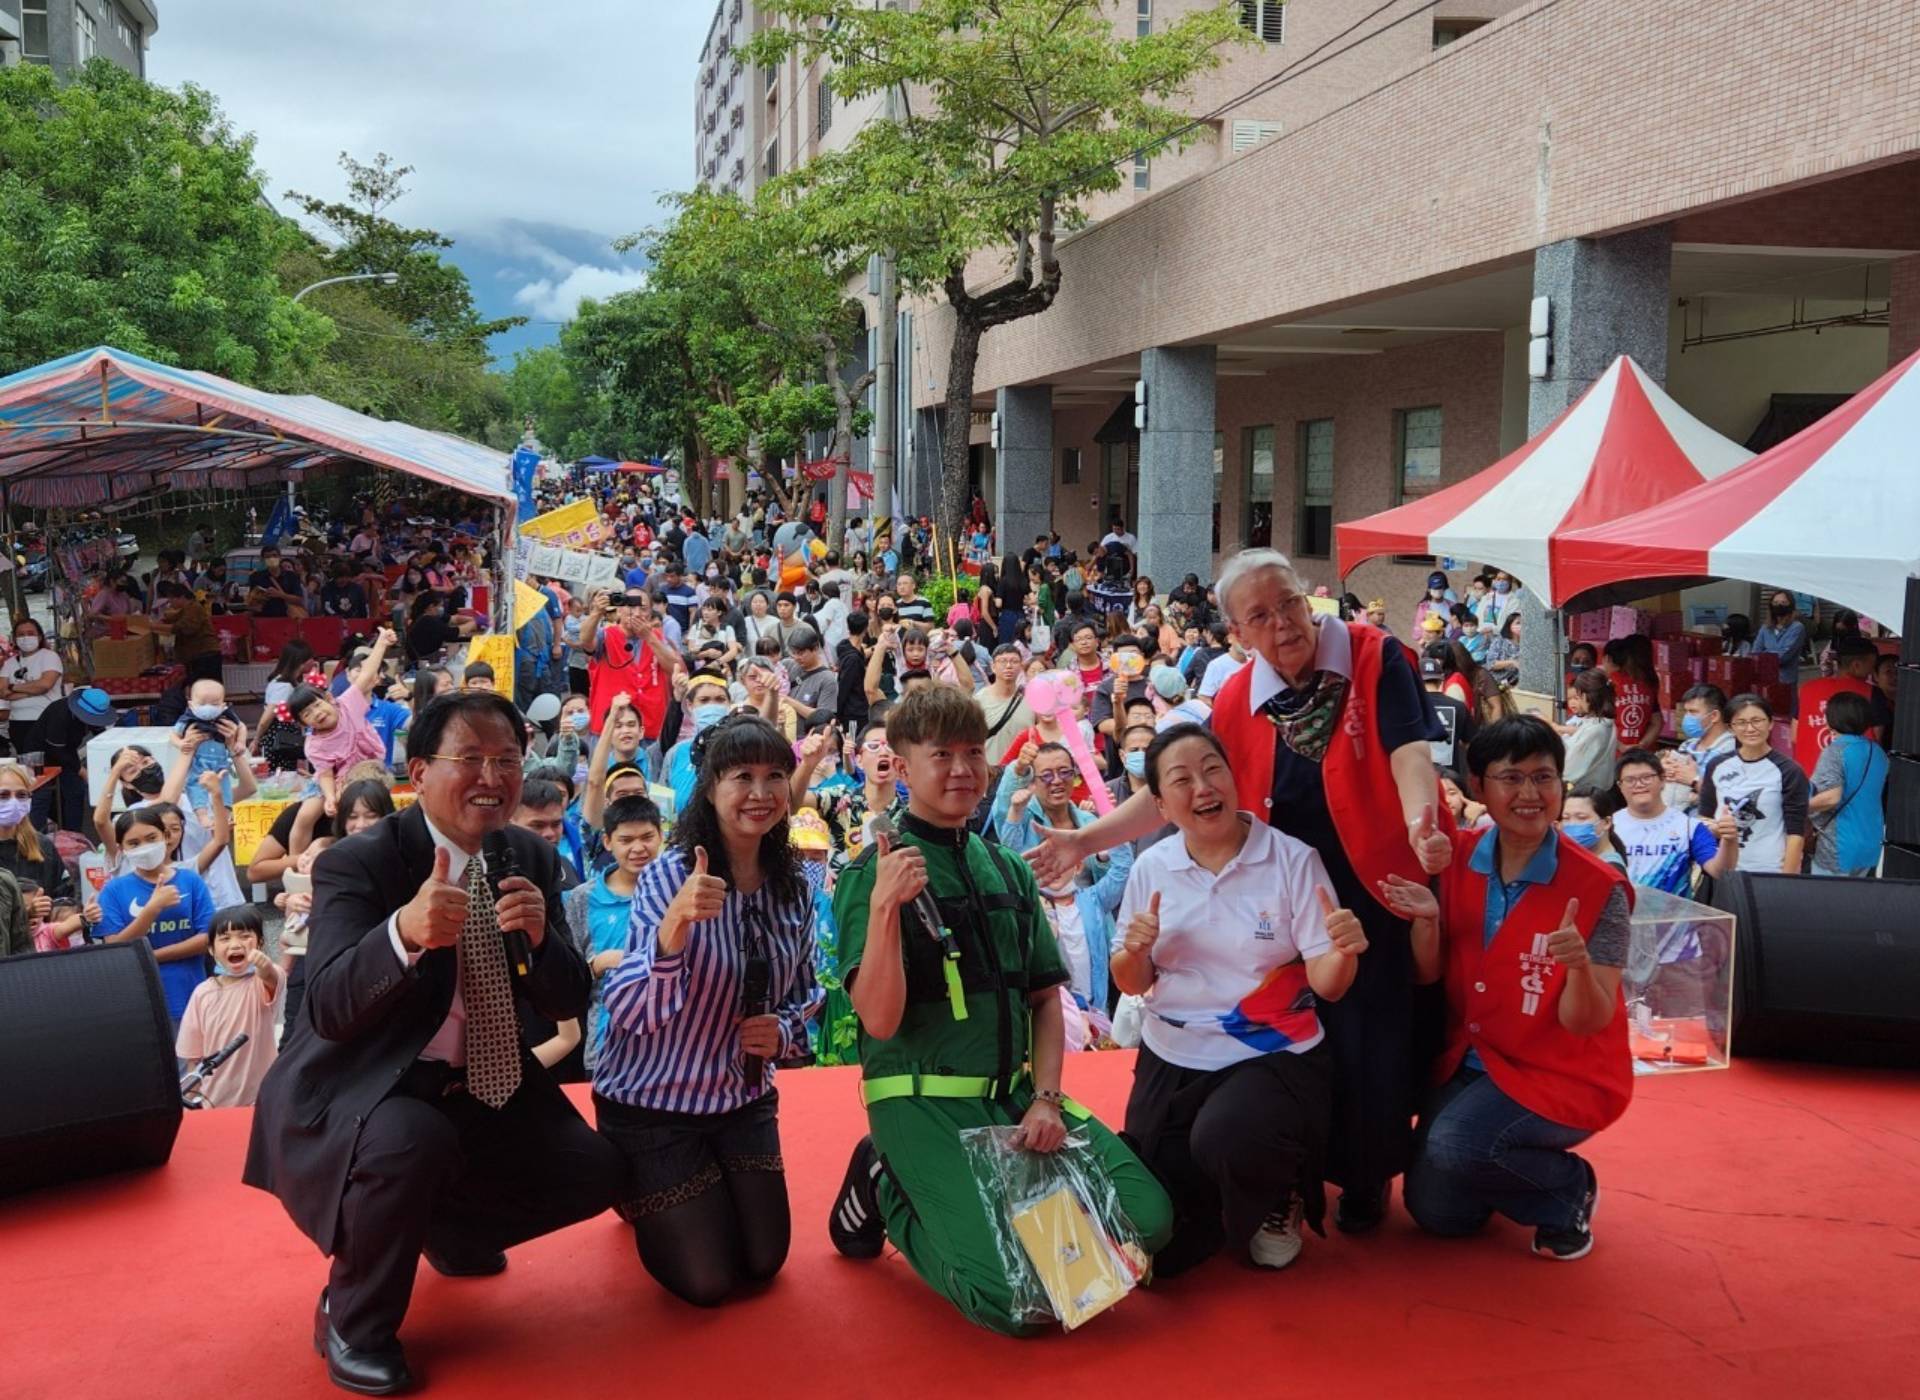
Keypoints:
(1327, 732)
(1527, 934)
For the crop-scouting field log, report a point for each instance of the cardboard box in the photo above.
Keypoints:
(1671, 654)
(115, 659)
(1733, 674)
(1766, 667)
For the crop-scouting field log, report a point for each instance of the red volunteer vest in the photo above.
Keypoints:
(632, 668)
(1810, 732)
(1503, 998)
(1357, 772)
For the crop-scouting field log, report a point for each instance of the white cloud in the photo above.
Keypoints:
(547, 300)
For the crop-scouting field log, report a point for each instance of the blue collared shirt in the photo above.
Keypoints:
(1502, 895)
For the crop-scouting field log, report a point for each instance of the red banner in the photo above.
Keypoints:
(821, 470)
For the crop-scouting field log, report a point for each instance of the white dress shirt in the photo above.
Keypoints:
(449, 1043)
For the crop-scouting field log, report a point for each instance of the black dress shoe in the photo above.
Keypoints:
(1360, 1209)
(365, 1371)
(466, 1265)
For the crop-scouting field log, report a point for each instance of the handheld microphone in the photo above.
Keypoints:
(502, 865)
(755, 1000)
(922, 904)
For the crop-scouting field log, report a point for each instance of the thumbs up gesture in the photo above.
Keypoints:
(1725, 826)
(700, 898)
(435, 915)
(1566, 945)
(1429, 843)
(1349, 939)
(1143, 929)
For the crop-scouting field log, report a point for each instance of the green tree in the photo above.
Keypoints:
(1017, 113)
(639, 397)
(763, 317)
(132, 216)
(541, 386)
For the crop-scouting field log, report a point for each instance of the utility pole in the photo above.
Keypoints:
(886, 392)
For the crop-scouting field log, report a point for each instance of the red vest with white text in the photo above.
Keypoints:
(1810, 732)
(1357, 772)
(1503, 998)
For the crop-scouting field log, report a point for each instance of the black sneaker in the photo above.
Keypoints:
(1361, 1208)
(854, 1225)
(1576, 1241)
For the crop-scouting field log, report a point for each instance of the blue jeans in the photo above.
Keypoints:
(1476, 1151)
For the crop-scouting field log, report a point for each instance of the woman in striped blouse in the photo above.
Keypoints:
(715, 988)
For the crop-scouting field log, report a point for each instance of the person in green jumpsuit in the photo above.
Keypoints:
(959, 1027)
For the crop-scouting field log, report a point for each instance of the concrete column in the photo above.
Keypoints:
(1176, 464)
(1023, 482)
(1610, 297)
(1903, 330)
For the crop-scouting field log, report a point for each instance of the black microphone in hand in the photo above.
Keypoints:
(756, 986)
(502, 865)
(922, 903)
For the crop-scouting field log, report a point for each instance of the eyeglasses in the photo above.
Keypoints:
(1056, 778)
(1513, 782)
(473, 763)
(1752, 722)
(1643, 780)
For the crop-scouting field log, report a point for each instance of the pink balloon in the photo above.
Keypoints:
(1056, 694)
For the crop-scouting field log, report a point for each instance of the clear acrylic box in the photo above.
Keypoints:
(1678, 984)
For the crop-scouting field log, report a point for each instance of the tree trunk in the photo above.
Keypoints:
(955, 443)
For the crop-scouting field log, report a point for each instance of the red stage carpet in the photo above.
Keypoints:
(1758, 1235)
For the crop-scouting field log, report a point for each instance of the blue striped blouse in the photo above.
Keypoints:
(673, 1021)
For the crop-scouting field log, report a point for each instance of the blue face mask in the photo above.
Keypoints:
(1500, 585)
(1135, 763)
(1692, 726)
(1586, 833)
(222, 970)
(706, 716)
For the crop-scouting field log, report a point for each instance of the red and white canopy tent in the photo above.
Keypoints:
(1623, 445)
(1833, 511)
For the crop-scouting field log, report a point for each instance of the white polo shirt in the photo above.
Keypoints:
(1231, 981)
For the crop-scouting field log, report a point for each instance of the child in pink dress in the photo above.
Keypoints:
(243, 995)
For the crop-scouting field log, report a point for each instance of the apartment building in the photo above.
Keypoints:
(65, 34)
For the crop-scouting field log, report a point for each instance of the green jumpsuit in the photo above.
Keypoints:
(927, 1196)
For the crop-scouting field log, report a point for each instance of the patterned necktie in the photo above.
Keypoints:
(493, 1031)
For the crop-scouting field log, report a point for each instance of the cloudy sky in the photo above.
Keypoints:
(538, 131)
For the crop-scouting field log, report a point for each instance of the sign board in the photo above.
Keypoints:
(577, 526)
(496, 649)
(527, 604)
(252, 821)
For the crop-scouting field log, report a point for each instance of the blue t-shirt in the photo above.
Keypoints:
(387, 718)
(126, 895)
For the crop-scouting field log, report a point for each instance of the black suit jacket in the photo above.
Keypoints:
(367, 1016)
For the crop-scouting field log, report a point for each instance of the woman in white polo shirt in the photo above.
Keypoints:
(1232, 938)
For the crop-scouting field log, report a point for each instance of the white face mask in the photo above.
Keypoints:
(151, 856)
(28, 643)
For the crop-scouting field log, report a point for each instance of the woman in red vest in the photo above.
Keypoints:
(1327, 730)
(1528, 933)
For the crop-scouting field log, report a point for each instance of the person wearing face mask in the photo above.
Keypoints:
(1784, 636)
(32, 681)
(1434, 603)
(1584, 820)
(24, 851)
(1705, 736)
(167, 906)
(707, 703)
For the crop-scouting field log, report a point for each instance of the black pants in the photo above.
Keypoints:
(440, 1168)
(706, 1194)
(1230, 1144)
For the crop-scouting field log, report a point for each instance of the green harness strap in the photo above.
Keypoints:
(948, 1086)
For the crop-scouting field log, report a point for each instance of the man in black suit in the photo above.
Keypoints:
(404, 1115)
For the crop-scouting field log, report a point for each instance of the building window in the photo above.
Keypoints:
(826, 107)
(1416, 457)
(1219, 478)
(123, 29)
(1313, 537)
(33, 32)
(1069, 466)
(1267, 18)
(1445, 31)
(1257, 519)
(84, 34)
(773, 158)
(1143, 26)
(1142, 177)
(1416, 453)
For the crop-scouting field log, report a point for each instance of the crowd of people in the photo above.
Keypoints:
(779, 800)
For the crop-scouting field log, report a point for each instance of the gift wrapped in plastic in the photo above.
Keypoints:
(1067, 1247)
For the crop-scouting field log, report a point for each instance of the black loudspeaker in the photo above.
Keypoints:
(1825, 968)
(88, 1083)
(1903, 800)
(1910, 626)
(1900, 862)
(1906, 712)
